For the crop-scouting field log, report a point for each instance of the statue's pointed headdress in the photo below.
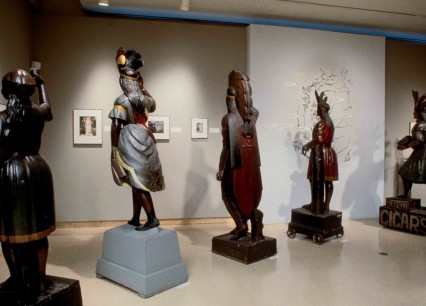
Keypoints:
(322, 100)
(419, 102)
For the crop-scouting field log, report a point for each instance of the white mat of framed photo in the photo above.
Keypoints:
(160, 126)
(199, 128)
(87, 126)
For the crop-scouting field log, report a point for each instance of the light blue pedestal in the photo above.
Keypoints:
(147, 262)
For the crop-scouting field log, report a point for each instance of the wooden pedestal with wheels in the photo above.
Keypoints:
(319, 227)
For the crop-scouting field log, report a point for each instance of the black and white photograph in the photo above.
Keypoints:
(160, 126)
(199, 128)
(87, 126)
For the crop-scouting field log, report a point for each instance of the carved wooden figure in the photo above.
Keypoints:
(239, 166)
(27, 214)
(403, 212)
(323, 167)
(414, 169)
(316, 219)
(134, 156)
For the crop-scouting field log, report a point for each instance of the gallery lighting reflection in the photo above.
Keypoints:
(103, 3)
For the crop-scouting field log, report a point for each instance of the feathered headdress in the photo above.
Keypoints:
(128, 63)
(322, 100)
(419, 102)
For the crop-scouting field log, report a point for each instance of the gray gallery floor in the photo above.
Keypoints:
(369, 265)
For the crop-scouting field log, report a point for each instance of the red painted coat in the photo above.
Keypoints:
(323, 135)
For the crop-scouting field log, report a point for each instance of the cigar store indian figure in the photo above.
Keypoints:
(134, 156)
(322, 137)
(413, 171)
(27, 204)
(239, 165)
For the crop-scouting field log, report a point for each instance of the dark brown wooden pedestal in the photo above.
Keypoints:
(243, 250)
(60, 292)
(319, 227)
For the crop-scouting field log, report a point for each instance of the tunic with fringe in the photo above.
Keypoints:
(27, 208)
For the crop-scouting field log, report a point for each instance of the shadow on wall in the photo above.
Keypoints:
(301, 189)
(296, 185)
(392, 168)
(197, 184)
(364, 202)
(196, 191)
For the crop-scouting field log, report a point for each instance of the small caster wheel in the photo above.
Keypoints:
(317, 238)
(291, 233)
(340, 235)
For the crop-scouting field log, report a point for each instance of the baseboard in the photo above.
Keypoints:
(78, 224)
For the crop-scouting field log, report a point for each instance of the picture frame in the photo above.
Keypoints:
(160, 126)
(87, 126)
(199, 128)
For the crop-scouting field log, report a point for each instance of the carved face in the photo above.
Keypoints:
(321, 110)
(240, 82)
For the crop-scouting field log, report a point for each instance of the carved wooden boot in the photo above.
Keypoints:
(150, 223)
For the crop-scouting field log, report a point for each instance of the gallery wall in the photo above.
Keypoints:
(405, 71)
(15, 32)
(186, 69)
(350, 69)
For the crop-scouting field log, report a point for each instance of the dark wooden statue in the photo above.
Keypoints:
(241, 181)
(239, 166)
(27, 214)
(134, 156)
(414, 169)
(323, 167)
(404, 212)
(316, 219)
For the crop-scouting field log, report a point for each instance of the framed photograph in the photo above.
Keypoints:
(87, 126)
(199, 128)
(160, 126)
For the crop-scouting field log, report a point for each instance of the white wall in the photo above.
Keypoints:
(186, 69)
(351, 69)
